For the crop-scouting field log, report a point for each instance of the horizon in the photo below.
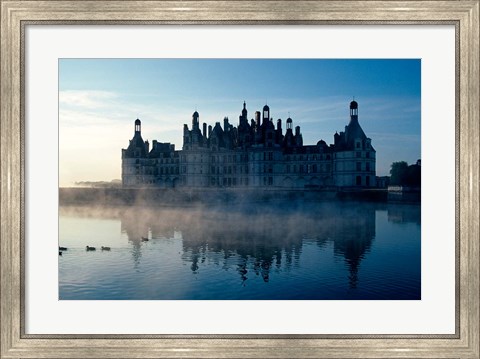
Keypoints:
(99, 100)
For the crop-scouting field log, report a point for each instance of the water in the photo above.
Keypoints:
(335, 251)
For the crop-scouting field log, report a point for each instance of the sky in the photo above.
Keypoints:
(99, 100)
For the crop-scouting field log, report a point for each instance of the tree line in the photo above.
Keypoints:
(402, 174)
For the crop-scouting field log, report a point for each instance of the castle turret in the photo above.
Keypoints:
(266, 114)
(195, 123)
(244, 112)
(354, 110)
(138, 125)
(354, 135)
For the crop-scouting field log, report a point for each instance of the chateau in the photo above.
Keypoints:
(255, 154)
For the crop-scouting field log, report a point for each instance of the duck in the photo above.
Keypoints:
(62, 248)
(144, 239)
(88, 248)
(105, 248)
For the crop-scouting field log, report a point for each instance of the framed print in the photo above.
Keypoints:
(336, 217)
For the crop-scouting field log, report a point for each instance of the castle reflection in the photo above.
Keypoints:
(259, 240)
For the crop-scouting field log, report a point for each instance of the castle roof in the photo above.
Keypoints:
(137, 144)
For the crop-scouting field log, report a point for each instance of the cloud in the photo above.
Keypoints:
(86, 99)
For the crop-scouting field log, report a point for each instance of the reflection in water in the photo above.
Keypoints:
(268, 242)
(267, 238)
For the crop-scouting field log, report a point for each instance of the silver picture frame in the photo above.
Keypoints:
(17, 15)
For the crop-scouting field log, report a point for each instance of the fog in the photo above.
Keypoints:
(265, 235)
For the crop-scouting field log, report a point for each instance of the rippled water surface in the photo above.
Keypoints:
(285, 251)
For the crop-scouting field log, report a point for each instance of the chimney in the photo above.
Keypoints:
(204, 129)
(257, 118)
(225, 124)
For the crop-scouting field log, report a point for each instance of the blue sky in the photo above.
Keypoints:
(100, 98)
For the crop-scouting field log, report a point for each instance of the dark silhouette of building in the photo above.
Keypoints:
(253, 154)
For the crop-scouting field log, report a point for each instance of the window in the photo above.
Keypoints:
(368, 180)
(358, 144)
(270, 156)
(359, 166)
(367, 154)
(287, 169)
(270, 181)
(367, 166)
(359, 180)
(314, 168)
(359, 154)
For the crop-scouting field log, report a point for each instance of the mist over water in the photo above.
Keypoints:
(284, 250)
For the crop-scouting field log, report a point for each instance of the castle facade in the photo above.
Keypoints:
(255, 154)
